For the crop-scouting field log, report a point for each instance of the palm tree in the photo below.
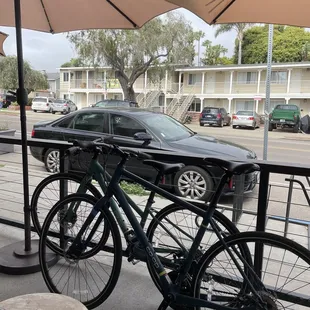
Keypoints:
(240, 28)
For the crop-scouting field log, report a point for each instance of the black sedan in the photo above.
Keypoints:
(196, 182)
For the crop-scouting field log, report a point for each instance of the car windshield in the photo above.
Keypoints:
(40, 99)
(60, 101)
(211, 110)
(166, 127)
(287, 107)
(247, 113)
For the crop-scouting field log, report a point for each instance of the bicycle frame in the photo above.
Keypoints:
(170, 290)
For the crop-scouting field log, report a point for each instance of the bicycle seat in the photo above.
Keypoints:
(233, 167)
(164, 168)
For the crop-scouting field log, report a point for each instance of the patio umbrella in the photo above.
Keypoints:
(284, 12)
(56, 16)
(3, 36)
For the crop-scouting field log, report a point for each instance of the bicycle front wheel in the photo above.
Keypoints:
(91, 276)
(47, 194)
(285, 274)
(172, 231)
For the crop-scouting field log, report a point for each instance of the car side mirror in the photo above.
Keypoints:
(143, 136)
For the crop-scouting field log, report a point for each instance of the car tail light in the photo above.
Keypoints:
(251, 118)
(230, 183)
(295, 116)
(219, 115)
(235, 117)
(47, 104)
(200, 115)
(32, 133)
(270, 115)
(65, 105)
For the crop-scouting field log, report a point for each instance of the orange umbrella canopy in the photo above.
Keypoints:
(57, 16)
(284, 12)
(3, 36)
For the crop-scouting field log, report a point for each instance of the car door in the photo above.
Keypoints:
(122, 129)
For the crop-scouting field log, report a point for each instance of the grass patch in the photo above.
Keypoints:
(133, 189)
(130, 188)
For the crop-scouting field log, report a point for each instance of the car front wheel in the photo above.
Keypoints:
(194, 183)
(52, 160)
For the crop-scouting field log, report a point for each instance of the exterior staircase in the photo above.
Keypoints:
(179, 105)
(146, 100)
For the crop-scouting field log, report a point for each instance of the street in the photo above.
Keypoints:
(284, 145)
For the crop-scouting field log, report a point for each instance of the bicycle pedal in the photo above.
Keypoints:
(135, 261)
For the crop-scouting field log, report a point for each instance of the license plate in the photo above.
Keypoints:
(282, 120)
(208, 116)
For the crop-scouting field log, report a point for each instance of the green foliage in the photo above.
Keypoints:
(290, 44)
(34, 80)
(240, 29)
(160, 43)
(74, 62)
(212, 55)
(133, 189)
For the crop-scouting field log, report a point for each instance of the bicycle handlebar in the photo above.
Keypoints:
(92, 146)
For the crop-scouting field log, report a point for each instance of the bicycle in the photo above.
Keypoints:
(162, 222)
(245, 287)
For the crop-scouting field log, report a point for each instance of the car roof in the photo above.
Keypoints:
(212, 108)
(124, 110)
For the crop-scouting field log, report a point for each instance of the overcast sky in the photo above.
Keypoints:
(48, 52)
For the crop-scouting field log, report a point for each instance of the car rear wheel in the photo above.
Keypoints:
(234, 126)
(194, 183)
(52, 160)
(221, 123)
(34, 110)
(270, 128)
(53, 112)
(254, 126)
(201, 124)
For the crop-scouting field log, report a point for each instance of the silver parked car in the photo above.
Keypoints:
(246, 119)
(63, 106)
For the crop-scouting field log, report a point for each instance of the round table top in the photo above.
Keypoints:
(41, 301)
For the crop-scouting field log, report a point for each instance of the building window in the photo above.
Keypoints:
(66, 76)
(247, 77)
(278, 77)
(66, 96)
(191, 79)
(247, 105)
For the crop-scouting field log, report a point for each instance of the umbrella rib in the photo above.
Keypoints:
(48, 20)
(223, 11)
(122, 13)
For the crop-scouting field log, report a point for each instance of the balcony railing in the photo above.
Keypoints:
(210, 87)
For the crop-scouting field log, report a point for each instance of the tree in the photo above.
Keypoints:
(34, 80)
(212, 55)
(290, 44)
(74, 62)
(240, 28)
(160, 43)
(199, 35)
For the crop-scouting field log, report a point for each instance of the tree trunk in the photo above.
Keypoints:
(240, 52)
(129, 93)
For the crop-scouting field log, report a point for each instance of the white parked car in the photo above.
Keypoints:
(63, 106)
(246, 119)
(42, 104)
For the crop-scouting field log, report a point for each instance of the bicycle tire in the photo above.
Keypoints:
(263, 238)
(37, 223)
(45, 244)
(162, 214)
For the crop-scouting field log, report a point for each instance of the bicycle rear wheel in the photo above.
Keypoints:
(47, 194)
(285, 274)
(172, 231)
(92, 276)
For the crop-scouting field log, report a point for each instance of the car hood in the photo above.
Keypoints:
(211, 146)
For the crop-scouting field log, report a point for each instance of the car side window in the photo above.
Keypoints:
(124, 126)
(65, 123)
(88, 122)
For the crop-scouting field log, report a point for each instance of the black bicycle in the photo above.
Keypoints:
(243, 270)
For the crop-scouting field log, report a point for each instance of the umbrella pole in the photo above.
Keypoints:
(22, 257)
(268, 81)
